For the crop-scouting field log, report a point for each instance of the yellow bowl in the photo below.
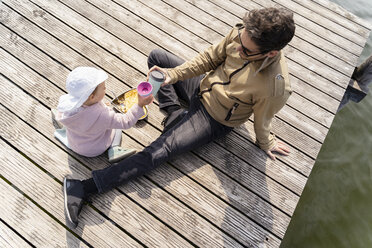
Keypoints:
(125, 101)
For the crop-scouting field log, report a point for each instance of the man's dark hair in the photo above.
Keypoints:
(270, 28)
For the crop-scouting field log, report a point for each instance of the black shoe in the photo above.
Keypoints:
(74, 197)
(172, 119)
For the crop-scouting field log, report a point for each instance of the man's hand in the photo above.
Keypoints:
(165, 71)
(280, 148)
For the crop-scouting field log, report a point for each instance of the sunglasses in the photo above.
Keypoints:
(246, 51)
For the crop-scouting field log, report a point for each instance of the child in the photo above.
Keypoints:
(91, 126)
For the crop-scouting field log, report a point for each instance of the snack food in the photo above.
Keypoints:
(126, 100)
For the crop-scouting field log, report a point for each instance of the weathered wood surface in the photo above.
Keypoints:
(9, 238)
(31, 222)
(225, 194)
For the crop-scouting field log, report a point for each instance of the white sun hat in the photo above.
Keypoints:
(80, 83)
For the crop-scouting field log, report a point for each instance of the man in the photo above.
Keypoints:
(243, 74)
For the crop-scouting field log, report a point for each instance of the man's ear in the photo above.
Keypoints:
(272, 53)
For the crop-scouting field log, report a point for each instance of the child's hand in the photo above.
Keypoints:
(142, 100)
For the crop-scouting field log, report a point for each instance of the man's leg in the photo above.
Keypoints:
(195, 129)
(169, 95)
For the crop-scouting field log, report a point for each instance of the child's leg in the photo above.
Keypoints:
(61, 135)
(60, 132)
(117, 138)
(54, 114)
(116, 152)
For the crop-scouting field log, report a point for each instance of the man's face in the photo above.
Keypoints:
(248, 50)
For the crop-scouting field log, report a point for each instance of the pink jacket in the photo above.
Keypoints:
(90, 131)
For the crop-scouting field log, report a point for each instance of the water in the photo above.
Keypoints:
(335, 207)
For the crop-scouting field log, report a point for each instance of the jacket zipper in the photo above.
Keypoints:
(223, 83)
(232, 110)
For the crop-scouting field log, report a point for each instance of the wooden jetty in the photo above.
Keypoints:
(225, 194)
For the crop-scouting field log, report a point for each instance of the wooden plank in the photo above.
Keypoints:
(168, 39)
(276, 170)
(328, 59)
(146, 10)
(44, 190)
(119, 86)
(350, 34)
(307, 125)
(296, 144)
(111, 10)
(129, 29)
(242, 173)
(334, 17)
(242, 234)
(8, 238)
(296, 138)
(343, 13)
(69, 56)
(215, 24)
(50, 44)
(60, 80)
(47, 193)
(235, 143)
(231, 221)
(45, 66)
(152, 203)
(20, 70)
(308, 108)
(316, 66)
(242, 197)
(316, 81)
(326, 45)
(121, 210)
(218, 192)
(316, 112)
(99, 36)
(30, 221)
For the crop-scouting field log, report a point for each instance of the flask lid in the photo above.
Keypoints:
(157, 75)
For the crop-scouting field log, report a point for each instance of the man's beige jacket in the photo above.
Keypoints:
(233, 88)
